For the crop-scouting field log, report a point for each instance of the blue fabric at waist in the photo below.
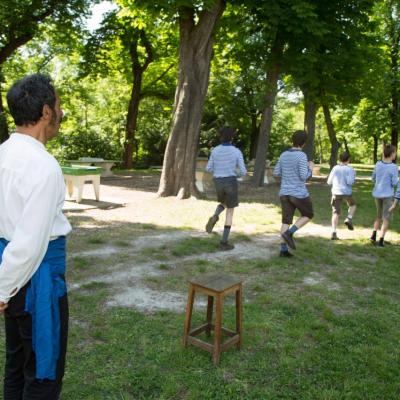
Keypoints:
(46, 286)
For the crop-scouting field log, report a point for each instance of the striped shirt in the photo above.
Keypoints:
(342, 178)
(385, 177)
(292, 167)
(224, 160)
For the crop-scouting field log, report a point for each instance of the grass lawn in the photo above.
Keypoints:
(323, 325)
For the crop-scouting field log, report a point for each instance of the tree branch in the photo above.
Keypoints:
(158, 78)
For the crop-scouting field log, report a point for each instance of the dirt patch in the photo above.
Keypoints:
(148, 300)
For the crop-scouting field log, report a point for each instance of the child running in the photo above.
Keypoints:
(223, 162)
(342, 178)
(294, 170)
(385, 178)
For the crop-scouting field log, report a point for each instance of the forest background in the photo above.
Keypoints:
(154, 80)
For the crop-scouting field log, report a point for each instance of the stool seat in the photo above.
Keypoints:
(216, 282)
(215, 286)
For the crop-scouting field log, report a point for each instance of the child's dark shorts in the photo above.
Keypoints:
(290, 204)
(337, 200)
(227, 191)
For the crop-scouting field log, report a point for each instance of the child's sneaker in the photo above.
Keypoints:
(349, 223)
(211, 223)
(288, 238)
(225, 246)
(334, 236)
(381, 243)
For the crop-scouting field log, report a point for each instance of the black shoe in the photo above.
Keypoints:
(225, 246)
(285, 254)
(381, 243)
(288, 238)
(349, 223)
(334, 236)
(211, 223)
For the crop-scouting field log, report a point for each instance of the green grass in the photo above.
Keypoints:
(323, 325)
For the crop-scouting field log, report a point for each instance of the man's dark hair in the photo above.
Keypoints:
(299, 138)
(27, 97)
(388, 150)
(345, 156)
(226, 134)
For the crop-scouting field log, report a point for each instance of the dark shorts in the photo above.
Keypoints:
(337, 200)
(227, 191)
(290, 204)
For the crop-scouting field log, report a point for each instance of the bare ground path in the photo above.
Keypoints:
(127, 257)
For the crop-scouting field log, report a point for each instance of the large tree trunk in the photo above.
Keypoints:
(267, 115)
(310, 112)
(136, 95)
(335, 145)
(195, 53)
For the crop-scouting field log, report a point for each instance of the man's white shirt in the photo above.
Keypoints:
(32, 193)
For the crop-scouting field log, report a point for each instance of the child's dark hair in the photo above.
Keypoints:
(388, 150)
(226, 134)
(299, 138)
(345, 156)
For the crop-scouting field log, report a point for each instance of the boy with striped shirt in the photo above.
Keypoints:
(342, 178)
(224, 160)
(293, 170)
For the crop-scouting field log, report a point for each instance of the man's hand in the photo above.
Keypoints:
(3, 306)
(392, 207)
(311, 165)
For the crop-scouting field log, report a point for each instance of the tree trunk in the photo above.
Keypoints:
(195, 53)
(335, 145)
(131, 120)
(136, 93)
(255, 130)
(375, 155)
(3, 118)
(310, 112)
(267, 115)
(394, 36)
(346, 145)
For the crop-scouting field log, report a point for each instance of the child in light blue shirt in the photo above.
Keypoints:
(385, 178)
(342, 178)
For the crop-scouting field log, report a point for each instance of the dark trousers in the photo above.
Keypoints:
(20, 382)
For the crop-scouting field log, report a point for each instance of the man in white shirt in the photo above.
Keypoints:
(33, 294)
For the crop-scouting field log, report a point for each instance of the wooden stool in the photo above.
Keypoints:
(214, 286)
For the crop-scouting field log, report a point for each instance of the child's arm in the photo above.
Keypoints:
(394, 205)
(278, 169)
(305, 169)
(395, 177)
(210, 164)
(373, 176)
(330, 177)
(240, 162)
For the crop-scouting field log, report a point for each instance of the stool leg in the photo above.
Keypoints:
(239, 316)
(218, 331)
(188, 318)
(210, 305)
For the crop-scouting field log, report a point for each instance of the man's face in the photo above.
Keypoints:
(55, 120)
